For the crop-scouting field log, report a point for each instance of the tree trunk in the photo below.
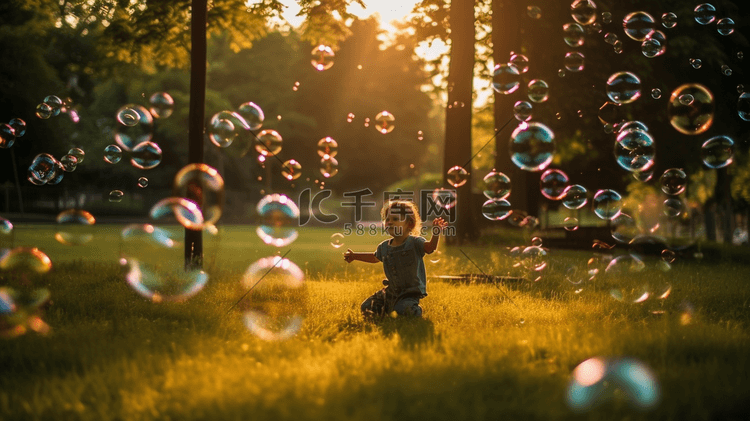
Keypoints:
(458, 150)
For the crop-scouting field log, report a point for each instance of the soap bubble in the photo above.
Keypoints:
(275, 306)
(574, 61)
(570, 223)
(635, 150)
(127, 136)
(142, 182)
(505, 78)
(112, 154)
(623, 87)
(632, 125)
(496, 209)
(521, 62)
(656, 93)
(718, 152)
(726, 70)
(574, 197)
(54, 103)
(291, 169)
(269, 143)
(643, 176)
(69, 163)
(607, 204)
(252, 114)
(522, 110)
(279, 217)
(146, 155)
(23, 294)
(221, 132)
(743, 106)
(654, 45)
(327, 147)
(673, 207)
(19, 127)
(57, 174)
(669, 20)
(606, 18)
(696, 63)
(538, 90)
(329, 167)
(337, 240)
(583, 11)
(128, 116)
(705, 13)
(573, 34)
(43, 167)
(162, 105)
(725, 26)
(384, 122)
(561, 72)
(534, 12)
(25, 261)
(43, 111)
(686, 99)
(444, 198)
(496, 185)
(638, 25)
(617, 47)
(7, 136)
(78, 154)
(624, 228)
(457, 176)
(599, 380)
(532, 146)
(610, 38)
(622, 271)
(204, 185)
(673, 181)
(155, 264)
(116, 196)
(695, 117)
(609, 113)
(322, 57)
(75, 227)
(553, 183)
(534, 258)
(184, 211)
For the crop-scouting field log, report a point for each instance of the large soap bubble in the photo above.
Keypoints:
(718, 152)
(496, 185)
(623, 87)
(505, 78)
(204, 185)
(138, 130)
(146, 155)
(75, 227)
(161, 105)
(552, 184)
(635, 150)
(583, 11)
(496, 209)
(607, 204)
(693, 116)
(638, 25)
(279, 218)
(575, 196)
(600, 380)
(185, 211)
(532, 146)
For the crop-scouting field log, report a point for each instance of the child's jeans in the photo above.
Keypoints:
(387, 301)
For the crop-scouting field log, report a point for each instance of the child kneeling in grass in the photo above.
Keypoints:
(401, 255)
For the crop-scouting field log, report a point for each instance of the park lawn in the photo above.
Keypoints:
(113, 355)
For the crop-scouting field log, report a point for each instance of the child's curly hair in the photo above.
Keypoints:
(406, 208)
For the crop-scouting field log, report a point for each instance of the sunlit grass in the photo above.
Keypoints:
(112, 355)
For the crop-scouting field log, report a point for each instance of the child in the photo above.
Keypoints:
(402, 261)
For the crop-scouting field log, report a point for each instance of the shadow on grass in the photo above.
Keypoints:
(413, 331)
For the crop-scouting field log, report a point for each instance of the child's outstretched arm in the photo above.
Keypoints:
(366, 257)
(432, 245)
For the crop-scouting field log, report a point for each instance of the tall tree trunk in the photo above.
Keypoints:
(458, 113)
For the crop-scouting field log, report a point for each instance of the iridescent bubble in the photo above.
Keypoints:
(599, 380)
(55, 103)
(142, 182)
(184, 211)
(673, 207)
(444, 198)
(534, 12)
(112, 154)
(609, 113)
(725, 26)
(43, 167)
(696, 63)
(656, 93)
(669, 20)
(384, 122)
(19, 127)
(154, 262)
(623, 270)
(115, 196)
(573, 34)
(75, 227)
(278, 220)
(337, 240)
(574, 61)
(69, 163)
(583, 11)
(128, 116)
(538, 90)
(496, 209)
(7, 136)
(78, 154)
(521, 62)
(652, 48)
(743, 106)
(570, 223)
(617, 47)
(624, 228)
(643, 176)
(204, 185)
(57, 174)
(534, 259)
(161, 105)
(532, 146)
(673, 181)
(686, 99)
(718, 152)
(726, 70)
(522, 110)
(635, 150)
(496, 185)
(561, 72)
(607, 204)
(269, 143)
(705, 13)
(574, 197)
(253, 115)
(695, 117)
(638, 25)
(457, 176)
(553, 183)
(329, 167)
(25, 260)
(632, 125)
(142, 131)
(623, 87)
(610, 38)
(275, 306)
(291, 169)
(505, 78)
(43, 111)
(221, 132)
(606, 18)
(327, 146)
(322, 57)
(146, 155)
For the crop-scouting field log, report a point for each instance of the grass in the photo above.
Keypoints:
(112, 355)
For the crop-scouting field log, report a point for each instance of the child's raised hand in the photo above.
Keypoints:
(348, 255)
(439, 222)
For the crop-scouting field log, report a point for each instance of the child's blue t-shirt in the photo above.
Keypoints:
(403, 265)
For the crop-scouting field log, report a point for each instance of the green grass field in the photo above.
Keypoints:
(113, 355)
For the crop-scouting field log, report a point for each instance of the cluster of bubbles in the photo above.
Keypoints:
(45, 169)
(52, 106)
(15, 128)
